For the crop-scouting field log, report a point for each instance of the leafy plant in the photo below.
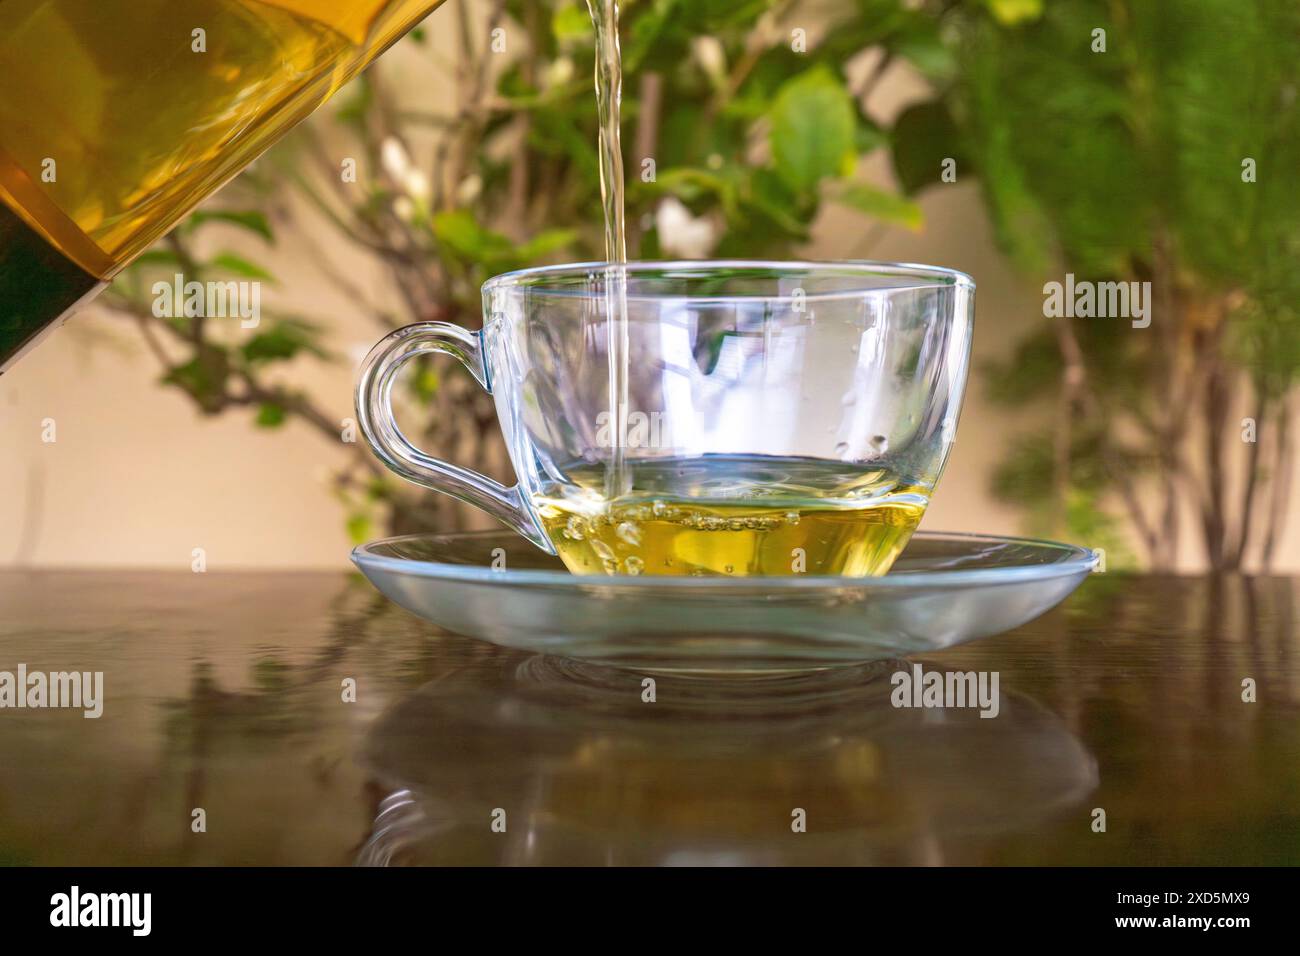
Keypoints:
(1151, 141)
(740, 123)
(742, 120)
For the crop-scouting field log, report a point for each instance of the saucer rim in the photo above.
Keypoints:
(1078, 560)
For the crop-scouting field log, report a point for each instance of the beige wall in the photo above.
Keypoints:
(138, 478)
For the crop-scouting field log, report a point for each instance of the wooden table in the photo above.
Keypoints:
(229, 694)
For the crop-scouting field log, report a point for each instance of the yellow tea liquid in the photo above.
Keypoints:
(735, 516)
(118, 116)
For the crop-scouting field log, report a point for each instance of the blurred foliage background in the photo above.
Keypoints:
(1113, 157)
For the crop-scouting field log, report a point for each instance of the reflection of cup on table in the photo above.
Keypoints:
(704, 418)
(711, 772)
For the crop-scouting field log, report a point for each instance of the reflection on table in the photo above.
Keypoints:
(226, 693)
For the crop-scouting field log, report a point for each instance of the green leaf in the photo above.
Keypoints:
(249, 219)
(460, 231)
(769, 195)
(352, 111)
(236, 264)
(571, 23)
(425, 384)
(924, 136)
(360, 528)
(813, 129)
(379, 489)
(713, 16)
(203, 378)
(270, 415)
(1032, 372)
(868, 137)
(884, 206)
(280, 342)
(1009, 13)
(690, 184)
(546, 242)
(924, 49)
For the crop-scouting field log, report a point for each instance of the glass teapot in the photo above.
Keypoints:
(117, 117)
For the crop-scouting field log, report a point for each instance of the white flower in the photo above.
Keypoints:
(681, 234)
(559, 72)
(417, 186)
(469, 189)
(392, 156)
(710, 56)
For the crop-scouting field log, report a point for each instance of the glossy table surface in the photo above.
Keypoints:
(231, 694)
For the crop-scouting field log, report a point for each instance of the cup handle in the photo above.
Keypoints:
(375, 415)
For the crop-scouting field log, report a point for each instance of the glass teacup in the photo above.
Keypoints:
(704, 418)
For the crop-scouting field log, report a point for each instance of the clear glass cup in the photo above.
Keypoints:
(704, 418)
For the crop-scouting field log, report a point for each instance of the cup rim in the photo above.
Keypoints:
(927, 276)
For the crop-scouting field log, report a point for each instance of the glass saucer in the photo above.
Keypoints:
(945, 589)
